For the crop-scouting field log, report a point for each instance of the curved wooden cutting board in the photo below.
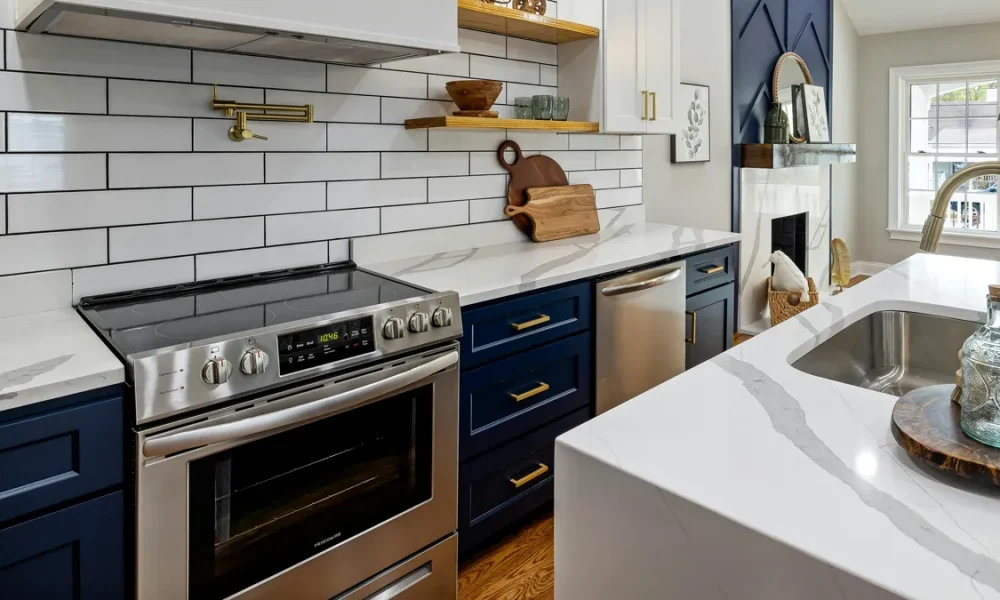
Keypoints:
(559, 212)
(531, 172)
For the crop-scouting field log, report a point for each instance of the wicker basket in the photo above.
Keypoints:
(785, 305)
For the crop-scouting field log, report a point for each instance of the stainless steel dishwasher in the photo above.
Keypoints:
(640, 332)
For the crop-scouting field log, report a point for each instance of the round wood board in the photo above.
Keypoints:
(926, 423)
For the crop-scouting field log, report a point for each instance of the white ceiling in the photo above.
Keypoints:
(884, 16)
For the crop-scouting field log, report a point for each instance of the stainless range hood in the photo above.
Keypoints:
(336, 31)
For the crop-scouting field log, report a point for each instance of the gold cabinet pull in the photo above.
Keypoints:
(645, 105)
(694, 328)
(520, 483)
(541, 320)
(541, 389)
(712, 270)
(653, 94)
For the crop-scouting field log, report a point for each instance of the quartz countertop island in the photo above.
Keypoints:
(746, 478)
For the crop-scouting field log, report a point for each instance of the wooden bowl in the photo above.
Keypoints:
(476, 94)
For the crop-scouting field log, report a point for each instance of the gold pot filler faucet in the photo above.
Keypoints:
(261, 112)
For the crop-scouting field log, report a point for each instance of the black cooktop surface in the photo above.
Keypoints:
(135, 322)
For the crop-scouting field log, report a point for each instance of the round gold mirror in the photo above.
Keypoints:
(790, 70)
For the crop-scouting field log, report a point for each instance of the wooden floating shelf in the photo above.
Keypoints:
(481, 123)
(784, 156)
(476, 14)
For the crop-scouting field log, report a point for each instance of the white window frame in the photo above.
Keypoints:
(900, 80)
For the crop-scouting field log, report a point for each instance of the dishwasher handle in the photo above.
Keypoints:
(629, 288)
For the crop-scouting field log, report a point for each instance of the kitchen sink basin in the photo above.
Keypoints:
(891, 352)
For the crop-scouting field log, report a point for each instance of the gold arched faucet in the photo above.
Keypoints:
(934, 225)
(261, 112)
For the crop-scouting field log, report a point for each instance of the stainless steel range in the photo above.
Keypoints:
(295, 435)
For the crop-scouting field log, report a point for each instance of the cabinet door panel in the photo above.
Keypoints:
(625, 67)
(710, 326)
(662, 35)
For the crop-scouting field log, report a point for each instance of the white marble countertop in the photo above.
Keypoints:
(812, 463)
(491, 272)
(52, 354)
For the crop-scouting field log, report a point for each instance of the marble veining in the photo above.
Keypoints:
(24, 375)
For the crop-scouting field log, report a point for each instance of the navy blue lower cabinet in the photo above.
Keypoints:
(710, 324)
(507, 398)
(72, 554)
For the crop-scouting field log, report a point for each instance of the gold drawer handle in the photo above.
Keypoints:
(541, 320)
(713, 270)
(541, 389)
(520, 483)
(694, 328)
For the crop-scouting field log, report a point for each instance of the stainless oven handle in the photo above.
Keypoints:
(214, 434)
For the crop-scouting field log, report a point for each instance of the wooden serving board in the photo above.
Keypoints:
(926, 423)
(531, 172)
(560, 212)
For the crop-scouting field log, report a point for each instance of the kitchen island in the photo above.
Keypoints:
(746, 478)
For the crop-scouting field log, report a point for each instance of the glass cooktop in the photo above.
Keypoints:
(136, 322)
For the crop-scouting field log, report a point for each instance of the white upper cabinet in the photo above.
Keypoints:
(662, 46)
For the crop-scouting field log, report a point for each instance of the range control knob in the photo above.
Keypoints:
(394, 329)
(254, 362)
(441, 318)
(419, 322)
(217, 371)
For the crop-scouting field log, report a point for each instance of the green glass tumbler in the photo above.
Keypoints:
(560, 108)
(541, 107)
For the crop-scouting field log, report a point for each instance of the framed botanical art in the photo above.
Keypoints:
(812, 107)
(694, 143)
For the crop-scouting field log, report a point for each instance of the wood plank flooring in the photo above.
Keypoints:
(519, 567)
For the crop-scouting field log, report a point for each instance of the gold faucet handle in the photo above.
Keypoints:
(240, 132)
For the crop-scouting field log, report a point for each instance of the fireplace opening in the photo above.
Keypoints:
(788, 234)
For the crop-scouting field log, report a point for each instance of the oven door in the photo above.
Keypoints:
(303, 494)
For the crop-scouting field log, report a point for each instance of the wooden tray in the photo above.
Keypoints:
(926, 423)
(531, 172)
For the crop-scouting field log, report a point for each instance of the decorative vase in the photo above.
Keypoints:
(981, 377)
(776, 125)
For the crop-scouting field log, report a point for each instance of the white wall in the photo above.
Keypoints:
(846, 210)
(879, 53)
(698, 194)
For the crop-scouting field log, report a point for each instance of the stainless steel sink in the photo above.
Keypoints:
(891, 352)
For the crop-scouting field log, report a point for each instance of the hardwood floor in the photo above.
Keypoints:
(519, 567)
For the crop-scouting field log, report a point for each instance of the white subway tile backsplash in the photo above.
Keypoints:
(631, 142)
(480, 42)
(446, 189)
(540, 140)
(321, 166)
(587, 141)
(440, 64)
(91, 133)
(517, 90)
(48, 251)
(76, 210)
(3, 215)
(501, 69)
(339, 250)
(197, 168)
(52, 172)
(77, 56)
(398, 110)
(172, 99)
(330, 107)
(424, 216)
(212, 135)
(350, 137)
(487, 209)
(375, 82)
(246, 200)
(379, 192)
(573, 160)
(486, 163)
(3, 132)
(619, 160)
(179, 239)
(632, 178)
(466, 140)
(550, 76)
(35, 292)
(228, 264)
(619, 197)
(257, 71)
(308, 227)
(424, 164)
(52, 93)
(393, 246)
(106, 279)
(598, 179)
(521, 49)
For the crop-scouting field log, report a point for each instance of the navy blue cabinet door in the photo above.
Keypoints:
(72, 554)
(710, 326)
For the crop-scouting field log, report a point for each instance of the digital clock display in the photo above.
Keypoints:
(324, 345)
(326, 338)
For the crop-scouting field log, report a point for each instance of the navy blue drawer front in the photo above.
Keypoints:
(711, 269)
(507, 398)
(489, 500)
(504, 328)
(59, 456)
(72, 554)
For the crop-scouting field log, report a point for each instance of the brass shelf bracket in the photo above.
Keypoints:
(244, 112)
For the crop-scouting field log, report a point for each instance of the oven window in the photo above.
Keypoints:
(260, 508)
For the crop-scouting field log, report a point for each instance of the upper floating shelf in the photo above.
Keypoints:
(783, 156)
(481, 123)
(475, 14)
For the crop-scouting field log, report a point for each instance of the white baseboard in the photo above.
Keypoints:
(863, 267)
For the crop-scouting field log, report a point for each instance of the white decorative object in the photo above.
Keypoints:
(788, 277)
(817, 126)
(694, 142)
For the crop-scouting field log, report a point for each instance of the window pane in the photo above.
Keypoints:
(950, 135)
(944, 168)
(983, 210)
(923, 101)
(923, 135)
(919, 207)
(952, 100)
(983, 98)
(983, 135)
(921, 173)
